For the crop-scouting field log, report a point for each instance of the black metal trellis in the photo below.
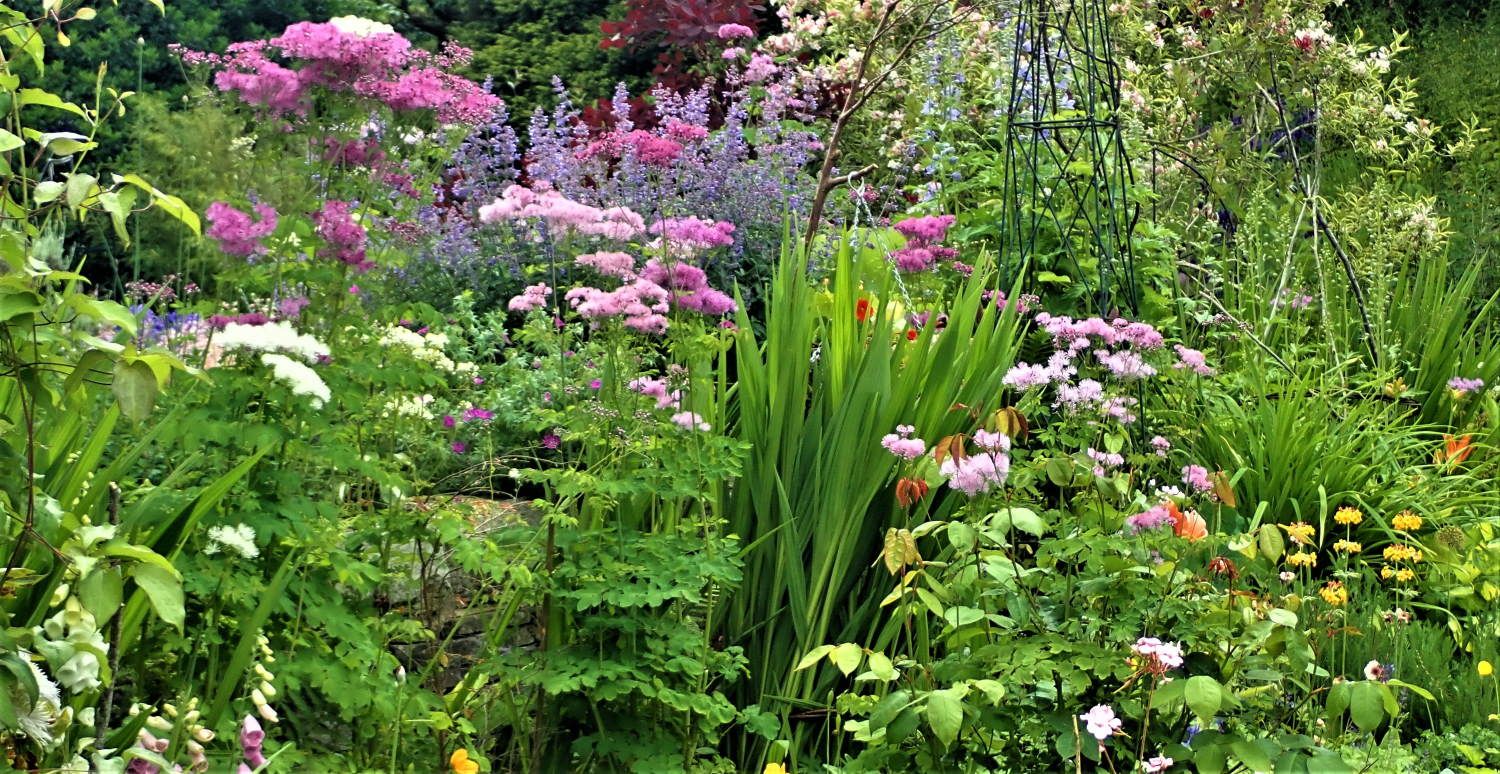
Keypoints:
(1068, 178)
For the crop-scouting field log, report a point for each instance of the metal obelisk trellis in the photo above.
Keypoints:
(1067, 177)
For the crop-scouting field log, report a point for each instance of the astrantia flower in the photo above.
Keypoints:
(1287, 576)
(238, 539)
(1101, 722)
(1376, 671)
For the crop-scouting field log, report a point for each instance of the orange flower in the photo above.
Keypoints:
(1455, 449)
(1189, 525)
(862, 310)
(461, 763)
(909, 491)
(911, 334)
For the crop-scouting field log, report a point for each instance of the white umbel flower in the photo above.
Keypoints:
(272, 337)
(360, 27)
(302, 379)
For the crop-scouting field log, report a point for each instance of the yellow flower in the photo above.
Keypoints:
(1397, 552)
(1486, 669)
(1404, 575)
(774, 768)
(1348, 547)
(1347, 515)
(1406, 521)
(1300, 532)
(1334, 594)
(1387, 571)
(461, 763)
(1302, 559)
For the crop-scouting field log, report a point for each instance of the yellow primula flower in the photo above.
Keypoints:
(1397, 552)
(774, 768)
(1486, 669)
(461, 763)
(1334, 594)
(1302, 559)
(1406, 521)
(1404, 575)
(1347, 515)
(1300, 532)
(1348, 547)
(1387, 572)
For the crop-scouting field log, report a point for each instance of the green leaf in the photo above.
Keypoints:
(1272, 545)
(1023, 519)
(48, 191)
(101, 593)
(42, 98)
(847, 657)
(15, 303)
(9, 141)
(135, 389)
(1204, 696)
(164, 589)
(813, 657)
(1283, 617)
(169, 204)
(1418, 690)
(1251, 754)
(880, 666)
(945, 713)
(1366, 705)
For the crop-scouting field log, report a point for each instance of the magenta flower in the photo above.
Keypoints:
(236, 232)
(551, 440)
(595, 384)
(251, 740)
(458, 447)
(474, 413)
(448, 421)
(343, 239)
(1149, 519)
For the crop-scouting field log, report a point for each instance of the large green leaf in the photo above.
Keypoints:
(945, 713)
(164, 589)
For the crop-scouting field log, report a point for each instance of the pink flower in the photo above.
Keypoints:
(449, 421)
(458, 447)
(251, 739)
(1196, 476)
(1151, 518)
(551, 440)
(977, 473)
(733, 31)
(1458, 384)
(902, 445)
(1101, 722)
(688, 420)
(620, 265)
(1375, 671)
(532, 298)
(343, 239)
(734, 52)
(1192, 360)
(235, 231)
(474, 413)
(1161, 445)
(1156, 765)
(1156, 656)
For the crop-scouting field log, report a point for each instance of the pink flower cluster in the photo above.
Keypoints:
(1080, 334)
(621, 265)
(1192, 360)
(382, 66)
(532, 298)
(1461, 384)
(735, 31)
(1155, 517)
(343, 239)
(561, 213)
(901, 444)
(689, 236)
(646, 295)
(1101, 722)
(1104, 461)
(642, 304)
(236, 232)
(922, 251)
(652, 387)
(1155, 656)
(1196, 476)
(689, 287)
(977, 473)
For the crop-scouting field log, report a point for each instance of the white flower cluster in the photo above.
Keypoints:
(302, 379)
(427, 348)
(272, 337)
(360, 27)
(413, 406)
(239, 539)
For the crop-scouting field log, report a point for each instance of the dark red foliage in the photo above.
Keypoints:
(677, 23)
